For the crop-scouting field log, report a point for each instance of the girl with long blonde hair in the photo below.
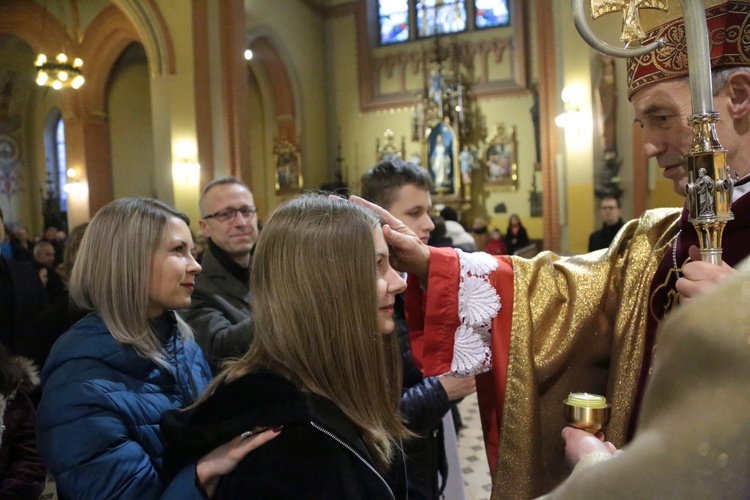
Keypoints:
(324, 363)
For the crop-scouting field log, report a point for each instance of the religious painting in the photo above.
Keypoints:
(442, 152)
(499, 158)
(288, 167)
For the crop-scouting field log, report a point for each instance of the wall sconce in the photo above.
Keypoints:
(74, 186)
(572, 117)
(186, 173)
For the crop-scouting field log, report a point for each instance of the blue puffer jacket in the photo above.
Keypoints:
(98, 420)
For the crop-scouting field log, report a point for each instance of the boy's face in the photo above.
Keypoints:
(411, 205)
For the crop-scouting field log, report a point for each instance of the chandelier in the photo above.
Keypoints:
(59, 72)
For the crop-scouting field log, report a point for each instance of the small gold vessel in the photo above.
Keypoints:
(588, 412)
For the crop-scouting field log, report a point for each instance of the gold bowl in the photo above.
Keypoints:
(588, 412)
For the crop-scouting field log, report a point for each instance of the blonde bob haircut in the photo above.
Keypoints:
(315, 309)
(112, 272)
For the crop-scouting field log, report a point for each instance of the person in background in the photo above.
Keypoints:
(22, 296)
(220, 312)
(611, 214)
(57, 318)
(324, 364)
(44, 261)
(111, 376)
(496, 245)
(479, 231)
(50, 236)
(515, 237)
(23, 247)
(22, 473)
(6, 246)
(456, 232)
(438, 236)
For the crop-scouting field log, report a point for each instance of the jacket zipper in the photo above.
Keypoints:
(360, 457)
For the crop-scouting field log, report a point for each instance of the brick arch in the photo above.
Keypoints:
(34, 25)
(106, 39)
(153, 33)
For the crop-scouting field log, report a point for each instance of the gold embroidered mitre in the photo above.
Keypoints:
(729, 42)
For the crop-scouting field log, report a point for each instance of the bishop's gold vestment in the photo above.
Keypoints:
(574, 324)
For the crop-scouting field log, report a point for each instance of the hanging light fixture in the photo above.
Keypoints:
(59, 72)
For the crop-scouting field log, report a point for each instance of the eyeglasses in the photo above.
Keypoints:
(229, 214)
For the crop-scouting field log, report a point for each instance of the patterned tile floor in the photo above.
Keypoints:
(476, 471)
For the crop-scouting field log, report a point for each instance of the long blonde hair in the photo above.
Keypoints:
(112, 272)
(315, 311)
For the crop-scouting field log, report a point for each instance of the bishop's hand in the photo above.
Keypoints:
(698, 277)
(408, 253)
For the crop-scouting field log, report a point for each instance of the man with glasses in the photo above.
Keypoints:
(220, 309)
(611, 223)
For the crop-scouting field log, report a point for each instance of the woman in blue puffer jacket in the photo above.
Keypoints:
(111, 376)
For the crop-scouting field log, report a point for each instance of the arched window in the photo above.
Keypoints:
(62, 165)
(57, 167)
(404, 20)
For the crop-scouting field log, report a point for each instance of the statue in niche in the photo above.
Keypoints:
(608, 182)
(704, 188)
(534, 111)
(441, 143)
(468, 162)
(288, 166)
(440, 163)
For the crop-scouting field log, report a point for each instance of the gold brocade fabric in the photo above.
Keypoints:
(693, 429)
(579, 325)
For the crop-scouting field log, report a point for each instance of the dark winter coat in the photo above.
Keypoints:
(318, 455)
(603, 237)
(26, 300)
(515, 242)
(22, 473)
(98, 420)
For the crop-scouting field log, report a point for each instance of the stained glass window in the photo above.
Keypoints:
(394, 21)
(404, 20)
(491, 13)
(62, 166)
(436, 17)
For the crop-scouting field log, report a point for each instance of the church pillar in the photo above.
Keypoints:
(576, 177)
(234, 89)
(548, 131)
